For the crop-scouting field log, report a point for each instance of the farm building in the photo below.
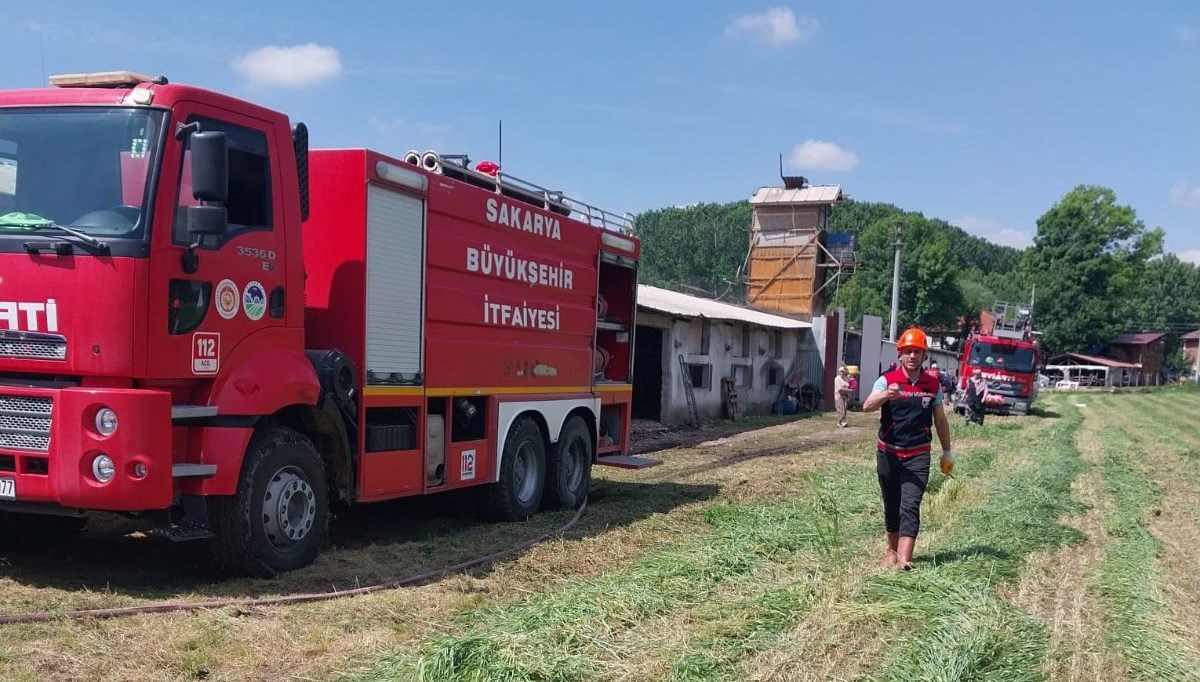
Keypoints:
(699, 341)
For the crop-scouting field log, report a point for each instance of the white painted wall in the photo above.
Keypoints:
(683, 336)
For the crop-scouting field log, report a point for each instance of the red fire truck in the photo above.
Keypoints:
(210, 327)
(1005, 349)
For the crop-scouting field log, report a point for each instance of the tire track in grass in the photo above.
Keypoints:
(1053, 586)
(954, 624)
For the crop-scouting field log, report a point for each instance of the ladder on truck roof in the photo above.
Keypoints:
(457, 166)
(1011, 320)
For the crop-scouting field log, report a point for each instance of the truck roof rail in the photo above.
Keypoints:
(457, 166)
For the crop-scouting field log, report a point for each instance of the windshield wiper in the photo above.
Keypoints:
(81, 236)
(36, 223)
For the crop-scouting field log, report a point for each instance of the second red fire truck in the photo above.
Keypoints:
(1005, 350)
(207, 325)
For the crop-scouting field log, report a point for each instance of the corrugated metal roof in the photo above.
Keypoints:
(1137, 339)
(1191, 335)
(821, 194)
(675, 303)
(1097, 360)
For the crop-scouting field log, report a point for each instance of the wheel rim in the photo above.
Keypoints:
(525, 471)
(289, 507)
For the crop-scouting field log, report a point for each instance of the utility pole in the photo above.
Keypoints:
(895, 285)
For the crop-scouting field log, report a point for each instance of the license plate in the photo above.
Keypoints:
(8, 489)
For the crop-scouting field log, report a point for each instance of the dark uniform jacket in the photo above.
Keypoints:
(906, 423)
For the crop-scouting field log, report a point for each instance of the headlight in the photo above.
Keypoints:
(106, 421)
(103, 469)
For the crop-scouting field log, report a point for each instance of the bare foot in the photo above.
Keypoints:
(891, 560)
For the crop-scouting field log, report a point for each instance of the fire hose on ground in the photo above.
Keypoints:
(119, 612)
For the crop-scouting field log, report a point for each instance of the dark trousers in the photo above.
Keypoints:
(902, 482)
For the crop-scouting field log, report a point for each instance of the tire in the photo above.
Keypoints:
(518, 493)
(569, 468)
(279, 519)
(35, 531)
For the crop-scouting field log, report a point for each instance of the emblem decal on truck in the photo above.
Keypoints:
(227, 299)
(254, 301)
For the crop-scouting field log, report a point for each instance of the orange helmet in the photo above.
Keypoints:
(912, 338)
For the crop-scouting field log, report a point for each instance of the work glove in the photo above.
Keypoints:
(947, 463)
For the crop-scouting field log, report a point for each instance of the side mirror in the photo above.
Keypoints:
(210, 166)
(205, 220)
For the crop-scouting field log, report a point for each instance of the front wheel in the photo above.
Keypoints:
(279, 519)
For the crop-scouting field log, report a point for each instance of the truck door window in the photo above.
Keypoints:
(249, 200)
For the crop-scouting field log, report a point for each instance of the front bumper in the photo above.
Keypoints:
(48, 440)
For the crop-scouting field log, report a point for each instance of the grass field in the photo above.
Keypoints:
(1067, 548)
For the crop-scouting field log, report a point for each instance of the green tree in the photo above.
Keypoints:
(697, 250)
(929, 292)
(1086, 261)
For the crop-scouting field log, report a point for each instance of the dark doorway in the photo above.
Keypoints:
(648, 373)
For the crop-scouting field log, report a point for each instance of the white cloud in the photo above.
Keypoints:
(819, 155)
(1191, 256)
(1183, 195)
(297, 66)
(776, 26)
(995, 232)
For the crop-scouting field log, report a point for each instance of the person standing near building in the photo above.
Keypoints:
(910, 405)
(841, 394)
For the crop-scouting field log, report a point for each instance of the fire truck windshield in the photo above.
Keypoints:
(1001, 356)
(85, 168)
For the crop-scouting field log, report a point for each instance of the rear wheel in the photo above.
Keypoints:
(279, 519)
(569, 468)
(518, 492)
(33, 531)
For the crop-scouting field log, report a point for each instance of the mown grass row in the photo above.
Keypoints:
(1128, 572)
(956, 625)
(567, 635)
(579, 632)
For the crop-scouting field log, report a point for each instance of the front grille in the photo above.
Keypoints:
(35, 345)
(25, 423)
(1005, 388)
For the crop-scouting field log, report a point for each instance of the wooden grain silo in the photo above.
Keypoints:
(788, 258)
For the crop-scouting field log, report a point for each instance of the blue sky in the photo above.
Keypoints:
(983, 114)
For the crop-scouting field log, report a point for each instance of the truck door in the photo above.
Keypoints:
(200, 310)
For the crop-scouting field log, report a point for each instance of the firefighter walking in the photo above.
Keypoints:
(910, 402)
